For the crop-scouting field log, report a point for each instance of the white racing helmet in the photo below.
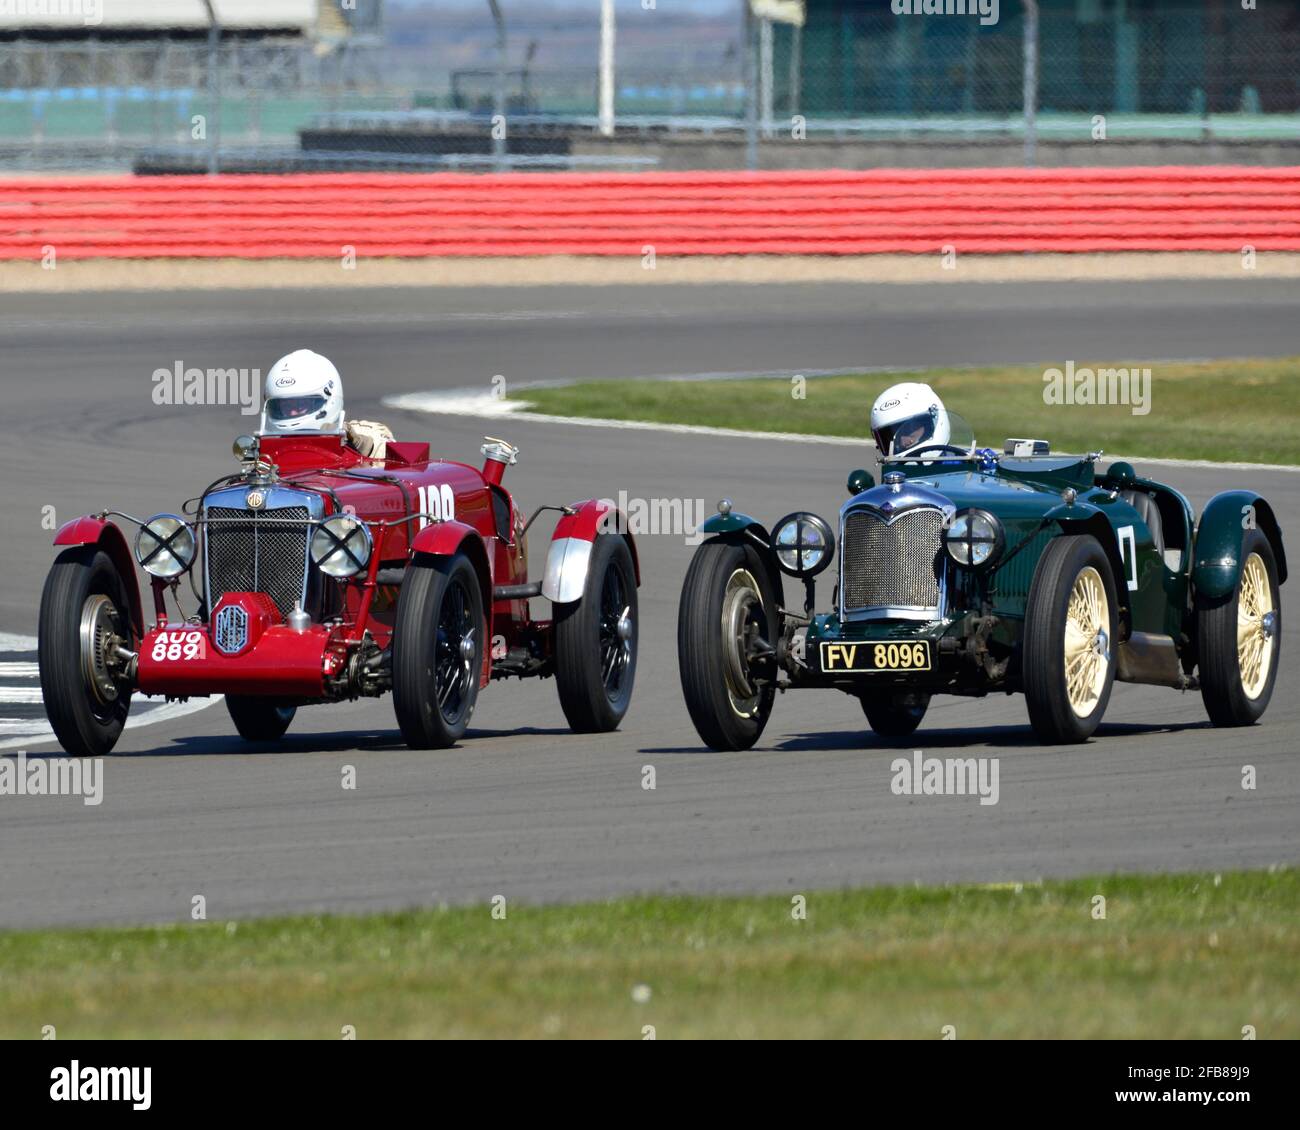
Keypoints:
(907, 417)
(304, 393)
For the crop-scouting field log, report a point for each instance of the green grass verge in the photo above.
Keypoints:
(1176, 956)
(1231, 411)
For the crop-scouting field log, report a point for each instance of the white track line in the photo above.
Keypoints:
(19, 670)
(35, 732)
(30, 696)
(164, 713)
(472, 402)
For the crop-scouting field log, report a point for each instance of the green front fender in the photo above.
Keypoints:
(733, 522)
(1219, 537)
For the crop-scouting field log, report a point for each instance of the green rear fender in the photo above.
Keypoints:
(1219, 536)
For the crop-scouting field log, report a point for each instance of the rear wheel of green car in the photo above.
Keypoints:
(727, 624)
(1239, 639)
(892, 715)
(1067, 664)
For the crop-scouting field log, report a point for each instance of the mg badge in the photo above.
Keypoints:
(230, 629)
(255, 499)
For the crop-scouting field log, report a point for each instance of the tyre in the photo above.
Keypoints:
(437, 650)
(1239, 639)
(595, 641)
(1068, 660)
(892, 715)
(259, 719)
(727, 625)
(85, 617)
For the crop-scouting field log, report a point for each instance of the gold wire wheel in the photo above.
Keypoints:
(1256, 626)
(1087, 642)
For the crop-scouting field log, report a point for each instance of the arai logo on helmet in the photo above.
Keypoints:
(888, 405)
(286, 382)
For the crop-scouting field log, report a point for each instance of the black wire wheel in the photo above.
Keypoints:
(85, 633)
(259, 719)
(437, 650)
(596, 641)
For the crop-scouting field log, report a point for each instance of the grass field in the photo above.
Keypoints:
(1175, 956)
(1229, 411)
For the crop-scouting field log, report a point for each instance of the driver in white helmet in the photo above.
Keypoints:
(304, 393)
(906, 418)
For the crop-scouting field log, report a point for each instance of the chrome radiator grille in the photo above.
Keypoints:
(893, 565)
(257, 551)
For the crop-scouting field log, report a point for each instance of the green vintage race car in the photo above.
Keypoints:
(968, 572)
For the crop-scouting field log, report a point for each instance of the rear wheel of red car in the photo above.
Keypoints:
(727, 624)
(437, 650)
(595, 641)
(894, 715)
(1239, 639)
(1068, 661)
(259, 719)
(85, 618)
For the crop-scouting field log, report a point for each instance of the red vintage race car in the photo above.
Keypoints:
(321, 574)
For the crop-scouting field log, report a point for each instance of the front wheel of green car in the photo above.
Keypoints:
(1070, 624)
(726, 629)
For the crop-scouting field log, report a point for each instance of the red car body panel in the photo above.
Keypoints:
(412, 505)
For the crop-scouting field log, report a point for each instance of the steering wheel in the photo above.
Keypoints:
(907, 457)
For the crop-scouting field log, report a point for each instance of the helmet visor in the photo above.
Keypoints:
(904, 435)
(293, 407)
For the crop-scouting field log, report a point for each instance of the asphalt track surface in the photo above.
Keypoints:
(523, 808)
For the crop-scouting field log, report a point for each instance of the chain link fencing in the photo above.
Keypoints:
(854, 73)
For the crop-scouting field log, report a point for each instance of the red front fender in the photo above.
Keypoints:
(108, 537)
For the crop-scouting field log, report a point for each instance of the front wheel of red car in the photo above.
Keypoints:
(437, 650)
(85, 625)
(259, 719)
(595, 641)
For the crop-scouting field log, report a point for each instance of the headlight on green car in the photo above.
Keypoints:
(975, 539)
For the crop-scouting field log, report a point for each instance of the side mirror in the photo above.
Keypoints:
(859, 481)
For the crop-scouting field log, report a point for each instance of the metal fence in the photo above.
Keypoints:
(855, 71)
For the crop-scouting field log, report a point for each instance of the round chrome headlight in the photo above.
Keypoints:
(803, 543)
(341, 546)
(974, 539)
(165, 546)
